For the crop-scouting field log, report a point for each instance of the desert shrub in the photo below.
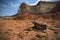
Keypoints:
(52, 28)
(57, 38)
(28, 29)
(17, 26)
(39, 36)
(10, 29)
(34, 38)
(1, 24)
(56, 32)
(4, 38)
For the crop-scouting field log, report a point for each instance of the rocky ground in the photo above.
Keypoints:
(22, 29)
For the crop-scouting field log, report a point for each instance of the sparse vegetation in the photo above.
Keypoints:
(20, 35)
(18, 30)
(4, 38)
(28, 29)
(56, 32)
(34, 38)
(7, 32)
(1, 24)
(10, 30)
(51, 28)
(39, 36)
(17, 26)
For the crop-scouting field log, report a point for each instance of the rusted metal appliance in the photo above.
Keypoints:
(40, 26)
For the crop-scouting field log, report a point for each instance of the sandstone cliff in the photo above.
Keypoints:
(40, 8)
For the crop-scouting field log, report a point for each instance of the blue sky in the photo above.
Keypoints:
(10, 7)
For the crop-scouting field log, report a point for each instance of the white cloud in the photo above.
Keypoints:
(45, 0)
(4, 6)
(41, 0)
(14, 5)
(35, 2)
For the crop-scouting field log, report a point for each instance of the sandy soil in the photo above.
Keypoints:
(16, 30)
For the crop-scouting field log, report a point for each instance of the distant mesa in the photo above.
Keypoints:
(29, 12)
(41, 8)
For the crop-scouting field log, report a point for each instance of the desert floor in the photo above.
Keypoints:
(21, 30)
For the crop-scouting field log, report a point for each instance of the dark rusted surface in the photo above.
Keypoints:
(39, 26)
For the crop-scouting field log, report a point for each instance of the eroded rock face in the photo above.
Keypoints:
(41, 7)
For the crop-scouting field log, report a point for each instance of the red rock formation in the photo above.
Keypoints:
(47, 10)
